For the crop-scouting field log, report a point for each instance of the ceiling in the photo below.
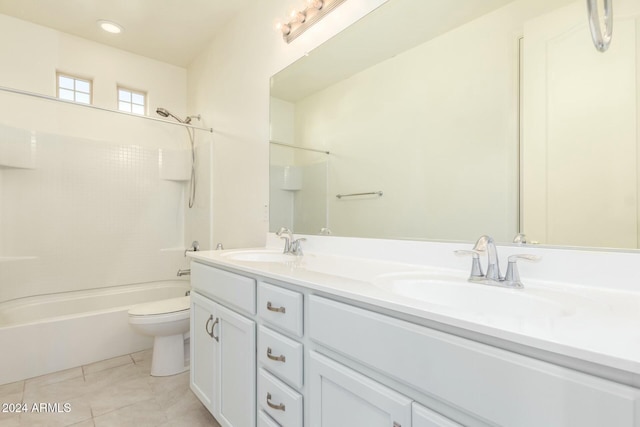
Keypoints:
(172, 31)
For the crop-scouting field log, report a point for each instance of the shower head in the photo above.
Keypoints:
(166, 113)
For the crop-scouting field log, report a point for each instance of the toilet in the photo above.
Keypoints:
(168, 322)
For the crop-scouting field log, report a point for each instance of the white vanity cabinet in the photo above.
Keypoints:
(269, 353)
(485, 382)
(223, 354)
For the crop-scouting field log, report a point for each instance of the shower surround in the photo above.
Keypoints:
(89, 200)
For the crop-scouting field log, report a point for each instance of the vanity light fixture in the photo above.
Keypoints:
(301, 20)
(109, 26)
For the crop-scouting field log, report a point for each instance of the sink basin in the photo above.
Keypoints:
(260, 255)
(457, 294)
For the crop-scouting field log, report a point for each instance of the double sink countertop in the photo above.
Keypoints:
(596, 325)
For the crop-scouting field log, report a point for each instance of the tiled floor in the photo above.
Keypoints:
(117, 392)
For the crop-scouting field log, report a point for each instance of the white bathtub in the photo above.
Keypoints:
(44, 334)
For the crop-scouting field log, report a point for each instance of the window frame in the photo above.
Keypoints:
(132, 92)
(75, 91)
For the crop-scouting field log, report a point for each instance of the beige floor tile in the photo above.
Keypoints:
(143, 414)
(9, 420)
(53, 378)
(118, 395)
(142, 356)
(114, 376)
(63, 391)
(115, 392)
(11, 388)
(170, 390)
(107, 364)
(188, 410)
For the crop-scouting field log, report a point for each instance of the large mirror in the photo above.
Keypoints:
(448, 120)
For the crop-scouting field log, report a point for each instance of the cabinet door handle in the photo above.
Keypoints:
(212, 327)
(206, 326)
(280, 358)
(276, 309)
(279, 407)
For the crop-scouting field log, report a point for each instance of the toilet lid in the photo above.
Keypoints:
(164, 306)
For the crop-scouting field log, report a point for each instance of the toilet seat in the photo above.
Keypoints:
(167, 306)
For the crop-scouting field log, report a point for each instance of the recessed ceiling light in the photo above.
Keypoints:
(110, 27)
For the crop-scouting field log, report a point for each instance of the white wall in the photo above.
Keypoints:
(88, 198)
(229, 85)
(37, 52)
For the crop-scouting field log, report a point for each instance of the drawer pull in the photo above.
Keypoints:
(276, 309)
(396, 424)
(280, 358)
(279, 407)
(206, 326)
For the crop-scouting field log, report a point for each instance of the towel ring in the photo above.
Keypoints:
(601, 40)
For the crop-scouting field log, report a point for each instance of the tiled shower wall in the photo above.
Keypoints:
(100, 205)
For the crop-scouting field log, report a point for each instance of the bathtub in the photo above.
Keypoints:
(49, 333)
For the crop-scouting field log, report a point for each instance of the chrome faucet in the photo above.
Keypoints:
(510, 280)
(486, 243)
(195, 246)
(291, 246)
(288, 238)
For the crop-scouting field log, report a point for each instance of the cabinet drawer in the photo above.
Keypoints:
(280, 355)
(234, 289)
(265, 420)
(280, 307)
(279, 400)
(496, 385)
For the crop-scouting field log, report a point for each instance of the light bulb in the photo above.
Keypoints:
(316, 4)
(298, 16)
(284, 28)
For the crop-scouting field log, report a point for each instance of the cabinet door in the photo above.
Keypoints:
(203, 350)
(341, 397)
(424, 417)
(236, 381)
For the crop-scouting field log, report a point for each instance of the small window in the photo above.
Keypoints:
(74, 89)
(131, 101)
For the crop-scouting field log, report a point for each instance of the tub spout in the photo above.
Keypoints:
(186, 272)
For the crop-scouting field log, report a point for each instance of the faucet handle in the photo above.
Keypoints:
(195, 246)
(476, 268)
(287, 235)
(296, 248)
(520, 239)
(512, 277)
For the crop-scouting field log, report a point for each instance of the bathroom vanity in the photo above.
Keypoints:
(334, 340)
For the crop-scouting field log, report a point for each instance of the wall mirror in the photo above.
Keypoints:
(448, 120)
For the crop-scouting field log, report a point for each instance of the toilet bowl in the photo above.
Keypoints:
(168, 322)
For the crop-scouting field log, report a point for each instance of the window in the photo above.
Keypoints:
(74, 89)
(131, 101)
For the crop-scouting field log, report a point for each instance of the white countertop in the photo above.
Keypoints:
(598, 325)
